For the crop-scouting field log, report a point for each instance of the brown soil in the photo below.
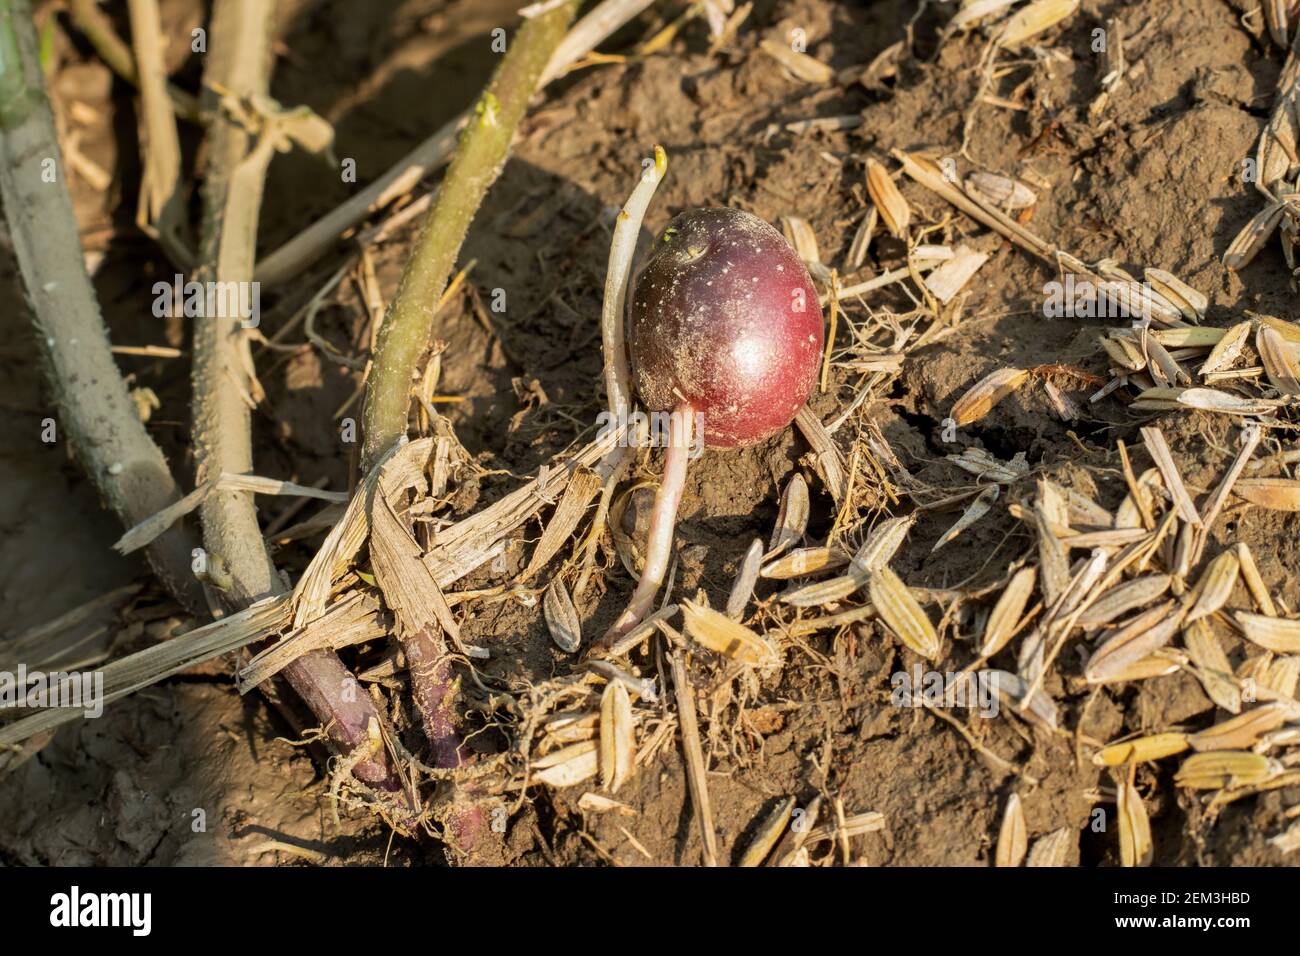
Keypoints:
(1154, 182)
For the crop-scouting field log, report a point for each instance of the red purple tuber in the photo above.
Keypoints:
(725, 325)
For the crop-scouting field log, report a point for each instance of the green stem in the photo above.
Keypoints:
(480, 156)
(95, 411)
(15, 96)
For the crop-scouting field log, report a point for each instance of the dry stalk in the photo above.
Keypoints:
(126, 675)
(696, 772)
(928, 175)
(238, 64)
(161, 213)
(98, 29)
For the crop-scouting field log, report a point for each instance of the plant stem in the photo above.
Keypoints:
(309, 245)
(239, 63)
(94, 407)
(162, 203)
(404, 336)
(618, 275)
(433, 688)
(98, 29)
(659, 541)
(480, 157)
(430, 672)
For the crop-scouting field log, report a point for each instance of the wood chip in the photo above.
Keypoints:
(894, 210)
(561, 617)
(722, 635)
(979, 399)
(901, 612)
(617, 737)
(1013, 838)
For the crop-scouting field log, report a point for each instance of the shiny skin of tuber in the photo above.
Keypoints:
(726, 318)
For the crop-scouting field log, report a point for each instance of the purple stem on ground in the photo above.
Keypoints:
(320, 678)
(431, 685)
(430, 673)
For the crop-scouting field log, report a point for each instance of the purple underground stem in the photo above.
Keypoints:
(319, 678)
(430, 673)
(431, 686)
